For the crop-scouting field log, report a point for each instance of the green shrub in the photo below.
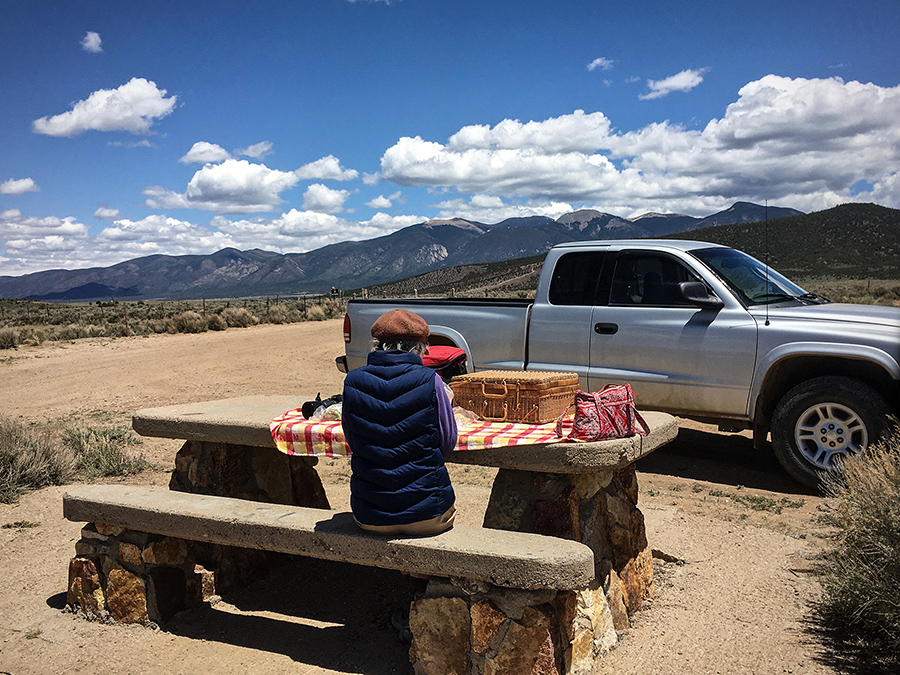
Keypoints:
(216, 322)
(9, 337)
(860, 574)
(29, 459)
(239, 317)
(104, 452)
(189, 322)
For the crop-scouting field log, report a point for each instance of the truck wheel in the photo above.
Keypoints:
(823, 419)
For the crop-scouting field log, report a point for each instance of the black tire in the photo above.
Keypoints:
(825, 418)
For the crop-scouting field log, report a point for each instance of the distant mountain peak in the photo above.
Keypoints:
(461, 223)
(654, 214)
(580, 216)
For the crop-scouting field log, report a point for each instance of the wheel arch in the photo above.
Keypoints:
(792, 369)
(448, 337)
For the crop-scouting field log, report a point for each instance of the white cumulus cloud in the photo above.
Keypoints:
(202, 152)
(323, 199)
(379, 202)
(134, 107)
(327, 168)
(683, 81)
(578, 131)
(106, 213)
(161, 234)
(32, 243)
(802, 142)
(91, 42)
(256, 151)
(234, 186)
(492, 209)
(299, 231)
(18, 186)
(600, 63)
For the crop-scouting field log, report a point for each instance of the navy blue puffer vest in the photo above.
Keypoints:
(390, 422)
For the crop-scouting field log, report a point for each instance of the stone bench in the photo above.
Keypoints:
(496, 599)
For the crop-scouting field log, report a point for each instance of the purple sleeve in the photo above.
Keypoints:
(446, 422)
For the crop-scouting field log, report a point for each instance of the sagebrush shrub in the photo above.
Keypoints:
(315, 313)
(277, 314)
(189, 322)
(216, 322)
(76, 331)
(239, 317)
(860, 574)
(9, 337)
(34, 337)
(30, 459)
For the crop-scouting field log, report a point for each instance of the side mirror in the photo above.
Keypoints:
(696, 293)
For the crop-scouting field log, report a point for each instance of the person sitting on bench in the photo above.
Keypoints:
(398, 422)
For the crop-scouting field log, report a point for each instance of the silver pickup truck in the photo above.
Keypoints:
(699, 330)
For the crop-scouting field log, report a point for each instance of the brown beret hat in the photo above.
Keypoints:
(400, 324)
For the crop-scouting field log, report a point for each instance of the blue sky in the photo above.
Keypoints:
(131, 129)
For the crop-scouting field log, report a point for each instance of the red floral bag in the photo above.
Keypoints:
(605, 414)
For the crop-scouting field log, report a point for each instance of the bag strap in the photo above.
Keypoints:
(640, 419)
(559, 433)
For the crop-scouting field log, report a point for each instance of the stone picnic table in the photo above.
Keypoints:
(586, 492)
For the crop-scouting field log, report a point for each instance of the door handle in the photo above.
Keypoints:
(606, 328)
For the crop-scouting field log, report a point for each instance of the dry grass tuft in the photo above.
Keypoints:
(104, 452)
(30, 459)
(9, 337)
(860, 574)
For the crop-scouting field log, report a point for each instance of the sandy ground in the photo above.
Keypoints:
(733, 583)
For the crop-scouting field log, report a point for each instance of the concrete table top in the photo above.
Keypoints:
(245, 420)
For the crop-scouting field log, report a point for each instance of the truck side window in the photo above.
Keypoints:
(648, 279)
(575, 278)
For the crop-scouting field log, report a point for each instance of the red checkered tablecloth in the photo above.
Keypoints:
(295, 435)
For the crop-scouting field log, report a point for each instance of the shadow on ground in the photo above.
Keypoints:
(844, 651)
(335, 616)
(721, 458)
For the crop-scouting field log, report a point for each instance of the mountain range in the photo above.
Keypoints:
(413, 250)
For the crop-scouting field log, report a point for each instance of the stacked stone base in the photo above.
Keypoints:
(247, 472)
(133, 577)
(597, 509)
(469, 628)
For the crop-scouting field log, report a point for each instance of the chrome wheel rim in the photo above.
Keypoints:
(828, 431)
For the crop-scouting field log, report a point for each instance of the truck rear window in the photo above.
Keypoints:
(575, 278)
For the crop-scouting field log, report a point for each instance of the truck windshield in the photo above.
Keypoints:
(747, 277)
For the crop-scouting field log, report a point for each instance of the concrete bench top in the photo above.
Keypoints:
(245, 421)
(500, 557)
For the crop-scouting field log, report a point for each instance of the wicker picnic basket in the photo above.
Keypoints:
(530, 396)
